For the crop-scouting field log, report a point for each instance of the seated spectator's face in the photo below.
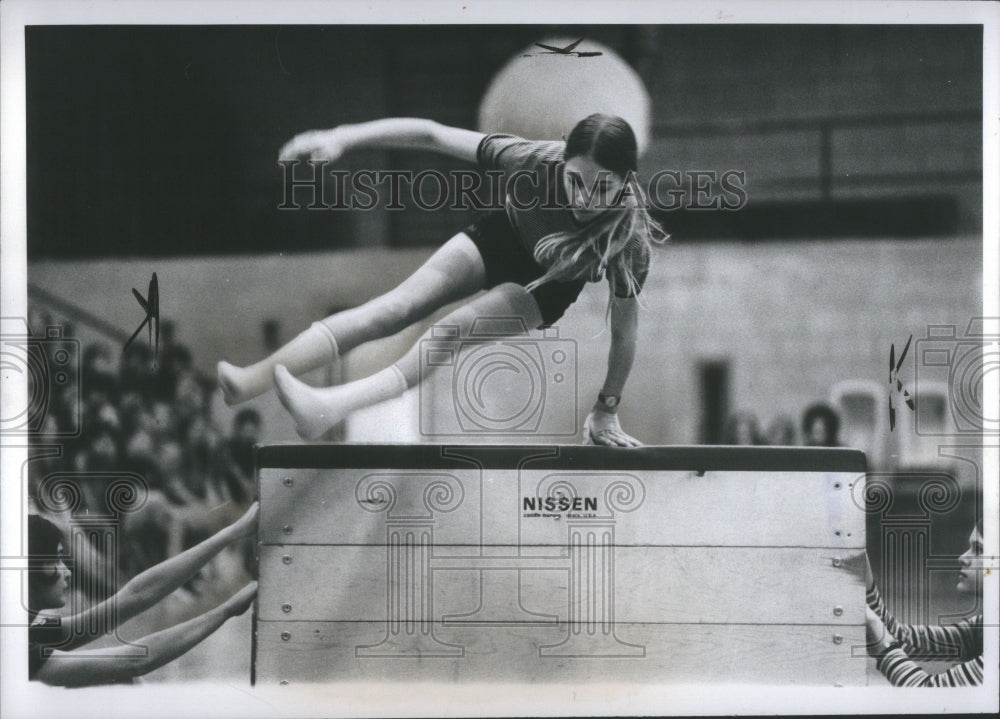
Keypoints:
(50, 588)
(201, 434)
(94, 398)
(146, 421)
(190, 400)
(70, 398)
(248, 433)
(38, 320)
(164, 416)
(104, 452)
(744, 432)
(782, 433)
(108, 415)
(818, 433)
(49, 425)
(972, 565)
(99, 362)
(171, 460)
(130, 405)
(141, 446)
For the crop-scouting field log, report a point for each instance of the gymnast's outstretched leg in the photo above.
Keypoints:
(316, 410)
(455, 271)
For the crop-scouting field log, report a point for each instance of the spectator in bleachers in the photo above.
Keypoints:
(175, 363)
(96, 363)
(237, 458)
(742, 428)
(38, 320)
(135, 371)
(151, 419)
(98, 449)
(189, 402)
(821, 426)
(896, 645)
(781, 432)
(51, 639)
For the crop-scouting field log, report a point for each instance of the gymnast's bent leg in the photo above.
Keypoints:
(455, 271)
(316, 410)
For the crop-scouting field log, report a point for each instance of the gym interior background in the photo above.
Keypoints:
(153, 149)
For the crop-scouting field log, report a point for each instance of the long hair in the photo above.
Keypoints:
(615, 242)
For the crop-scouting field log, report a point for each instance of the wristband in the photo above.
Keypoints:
(610, 401)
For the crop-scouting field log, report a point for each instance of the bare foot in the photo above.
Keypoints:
(313, 416)
(232, 381)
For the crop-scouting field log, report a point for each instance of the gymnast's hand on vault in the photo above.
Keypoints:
(603, 428)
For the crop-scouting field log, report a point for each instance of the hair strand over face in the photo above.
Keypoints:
(614, 243)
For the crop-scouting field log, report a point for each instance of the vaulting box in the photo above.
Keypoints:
(560, 564)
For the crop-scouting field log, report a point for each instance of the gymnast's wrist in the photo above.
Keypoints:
(607, 403)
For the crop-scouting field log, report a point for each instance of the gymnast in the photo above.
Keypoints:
(894, 644)
(51, 639)
(533, 257)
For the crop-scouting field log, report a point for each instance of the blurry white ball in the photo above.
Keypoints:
(541, 95)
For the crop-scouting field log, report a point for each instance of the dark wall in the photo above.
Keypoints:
(163, 140)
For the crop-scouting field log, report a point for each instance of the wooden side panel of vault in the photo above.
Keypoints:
(659, 576)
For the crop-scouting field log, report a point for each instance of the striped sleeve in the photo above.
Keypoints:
(957, 642)
(901, 671)
(962, 642)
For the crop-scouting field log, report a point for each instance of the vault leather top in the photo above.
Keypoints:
(294, 455)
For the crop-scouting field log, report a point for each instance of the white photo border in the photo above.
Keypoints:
(23, 698)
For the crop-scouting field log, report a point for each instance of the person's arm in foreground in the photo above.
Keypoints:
(602, 425)
(146, 589)
(107, 665)
(893, 643)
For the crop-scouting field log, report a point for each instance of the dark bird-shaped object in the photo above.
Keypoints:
(567, 50)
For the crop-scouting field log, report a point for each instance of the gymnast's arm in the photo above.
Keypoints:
(602, 424)
(396, 133)
(107, 665)
(896, 665)
(935, 642)
(146, 589)
(624, 337)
